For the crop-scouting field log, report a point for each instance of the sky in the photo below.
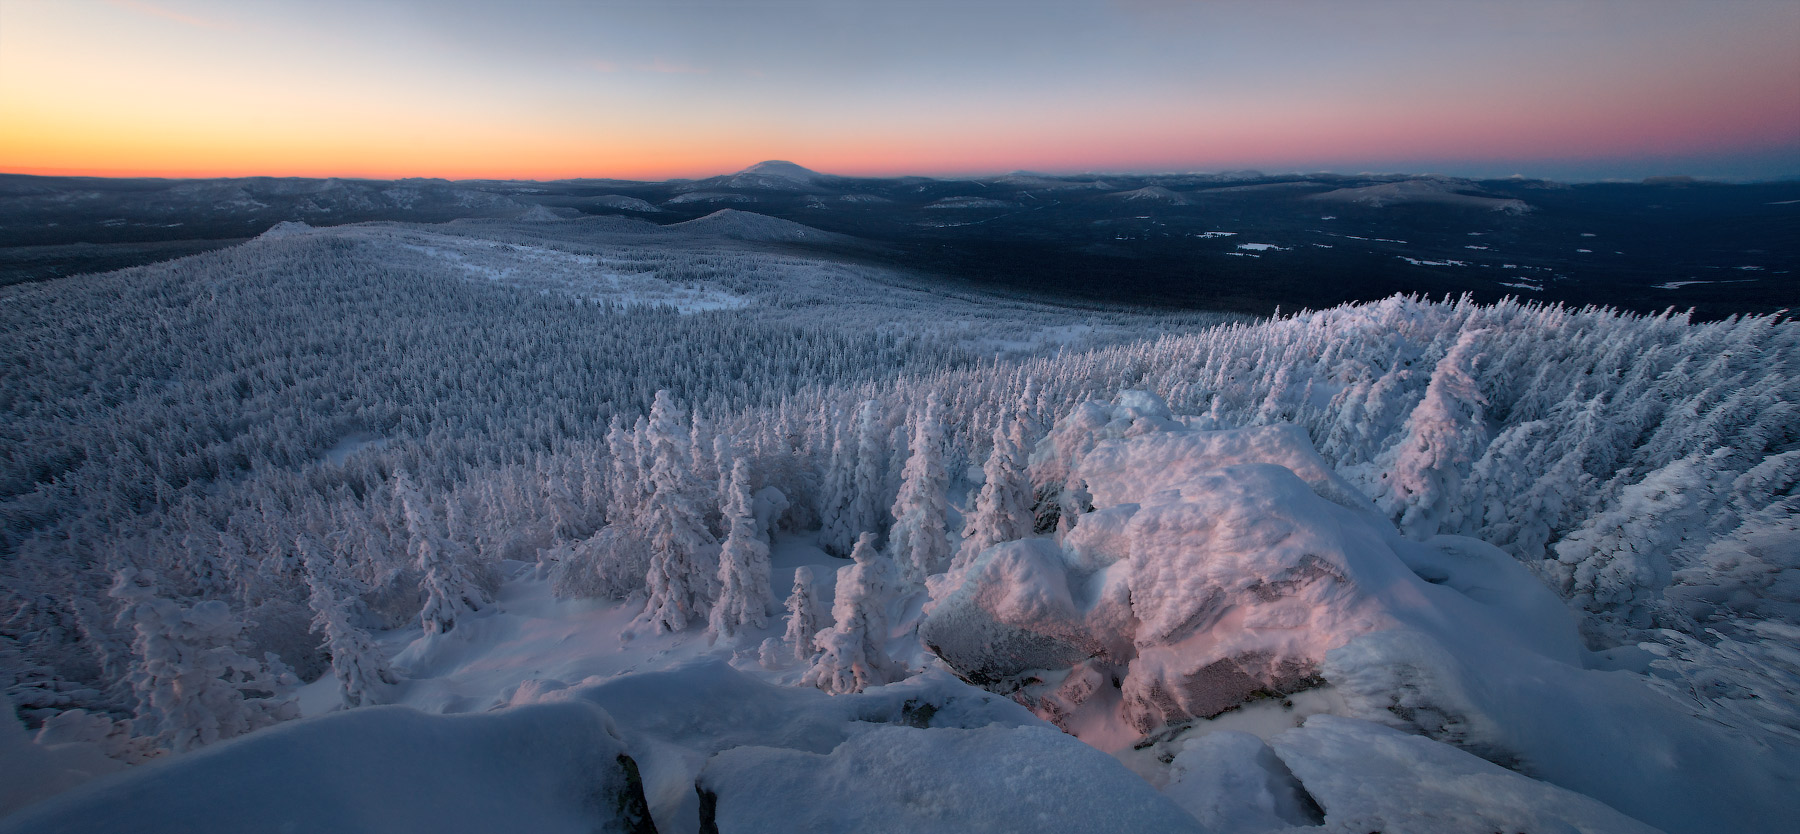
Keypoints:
(549, 89)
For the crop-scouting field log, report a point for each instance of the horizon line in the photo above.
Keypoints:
(106, 174)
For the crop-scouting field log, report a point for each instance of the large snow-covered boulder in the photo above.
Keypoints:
(1212, 568)
(1208, 568)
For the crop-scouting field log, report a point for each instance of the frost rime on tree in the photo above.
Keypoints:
(853, 653)
(194, 684)
(1003, 508)
(803, 614)
(451, 592)
(363, 674)
(1443, 435)
(919, 540)
(743, 563)
(680, 580)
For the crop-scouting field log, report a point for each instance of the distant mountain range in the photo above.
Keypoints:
(1243, 241)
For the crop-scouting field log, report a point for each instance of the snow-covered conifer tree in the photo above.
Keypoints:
(1002, 511)
(743, 563)
(451, 591)
(918, 540)
(681, 576)
(194, 684)
(363, 674)
(1618, 563)
(867, 485)
(837, 522)
(853, 653)
(803, 614)
(1444, 434)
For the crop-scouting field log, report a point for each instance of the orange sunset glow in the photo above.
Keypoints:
(192, 89)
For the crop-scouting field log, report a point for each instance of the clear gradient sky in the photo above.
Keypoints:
(544, 89)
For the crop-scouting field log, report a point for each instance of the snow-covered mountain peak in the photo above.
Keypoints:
(781, 169)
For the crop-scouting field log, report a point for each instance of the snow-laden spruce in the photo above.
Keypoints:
(853, 652)
(362, 672)
(194, 683)
(743, 564)
(919, 538)
(683, 571)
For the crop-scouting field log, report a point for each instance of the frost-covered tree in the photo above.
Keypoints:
(194, 684)
(867, 484)
(1617, 565)
(682, 573)
(803, 614)
(451, 590)
(1444, 434)
(743, 563)
(853, 652)
(1002, 510)
(361, 670)
(919, 538)
(837, 493)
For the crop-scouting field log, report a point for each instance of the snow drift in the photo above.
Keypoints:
(549, 768)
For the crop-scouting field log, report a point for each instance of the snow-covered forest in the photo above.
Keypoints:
(1516, 566)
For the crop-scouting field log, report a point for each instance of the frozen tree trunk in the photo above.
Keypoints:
(853, 653)
(743, 563)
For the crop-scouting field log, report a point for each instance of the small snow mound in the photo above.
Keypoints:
(547, 768)
(286, 229)
(748, 225)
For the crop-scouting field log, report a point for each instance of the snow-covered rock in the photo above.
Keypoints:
(1367, 777)
(1219, 567)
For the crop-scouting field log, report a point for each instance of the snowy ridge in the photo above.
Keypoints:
(745, 225)
(1434, 190)
(1155, 194)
